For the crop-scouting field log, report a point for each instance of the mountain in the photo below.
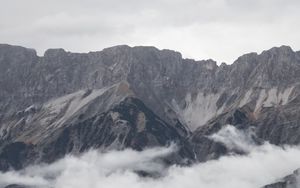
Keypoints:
(289, 181)
(140, 97)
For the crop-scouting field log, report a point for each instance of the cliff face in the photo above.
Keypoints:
(138, 97)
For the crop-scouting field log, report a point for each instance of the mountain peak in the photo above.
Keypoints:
(141, 97)
(117, 47)
(279, 50)
(54, 52)
(7, 48)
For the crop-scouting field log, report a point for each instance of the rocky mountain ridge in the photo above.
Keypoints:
(141, 97)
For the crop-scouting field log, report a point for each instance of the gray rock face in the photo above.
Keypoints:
(47, 101)
(290, 181)
(173, 87)
(128, 124)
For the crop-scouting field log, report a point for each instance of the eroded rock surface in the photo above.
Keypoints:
(141, 97)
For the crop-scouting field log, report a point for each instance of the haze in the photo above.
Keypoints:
(199, 29)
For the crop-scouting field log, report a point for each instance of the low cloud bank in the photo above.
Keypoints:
(263, 164)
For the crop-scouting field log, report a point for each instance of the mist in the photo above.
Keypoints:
(200, 29)
(262, 165)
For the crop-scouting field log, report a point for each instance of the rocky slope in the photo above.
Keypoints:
(140, 97)
(290, 181)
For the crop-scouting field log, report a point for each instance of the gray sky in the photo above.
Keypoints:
(200, 29)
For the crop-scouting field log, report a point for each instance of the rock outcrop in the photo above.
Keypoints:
(140, 97)
(290, 181)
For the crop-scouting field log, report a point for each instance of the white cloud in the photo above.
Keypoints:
(263, 165)
(201, 29)
(235, 139)
(92, 168)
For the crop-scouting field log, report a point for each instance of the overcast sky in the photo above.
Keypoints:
(200, 29)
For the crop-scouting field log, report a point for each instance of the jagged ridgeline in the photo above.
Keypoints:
(141, 97)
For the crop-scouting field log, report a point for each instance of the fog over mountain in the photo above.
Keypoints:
(263, 164)
(146, 94)
(200, 29)
(145, 117)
